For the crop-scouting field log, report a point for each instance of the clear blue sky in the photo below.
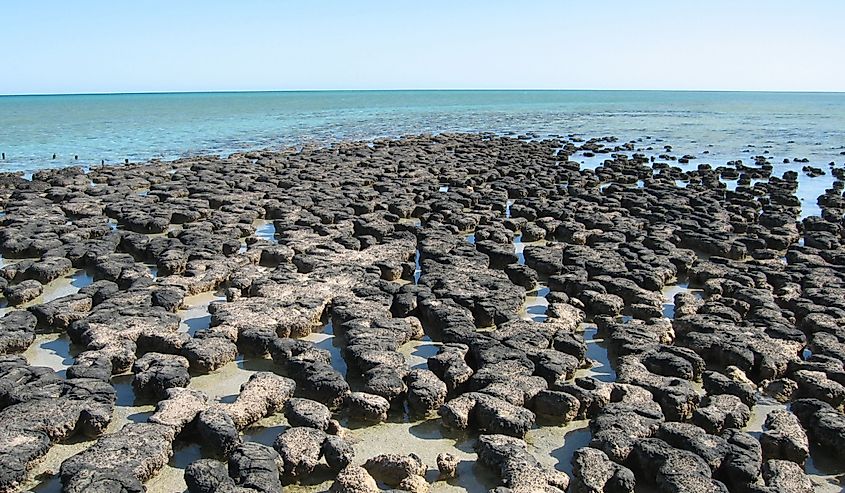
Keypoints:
(63, 46)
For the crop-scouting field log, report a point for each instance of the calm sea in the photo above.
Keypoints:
(730, 125)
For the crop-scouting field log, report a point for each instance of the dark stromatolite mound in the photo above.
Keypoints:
(405, 472)
(672, 469)
(262, 395)
(180, 408)
(61, 312)
(120, 461)
(354, 479)
(208, 476)
(256, 467)
(784, 437)
(302, 448)
(23, 291)
(595, 473)
(824, 424)
(155, 373)
(519, 470)
(307, 413)
(17, 331)
(367, 407)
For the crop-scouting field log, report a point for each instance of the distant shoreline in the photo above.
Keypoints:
(305, 91)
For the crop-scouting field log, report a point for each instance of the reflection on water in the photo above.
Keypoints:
(266, 230)
(325, 339)
(194, 316)
(51, 350)
(601, 369)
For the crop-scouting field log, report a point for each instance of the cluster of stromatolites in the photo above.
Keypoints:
(373, 238)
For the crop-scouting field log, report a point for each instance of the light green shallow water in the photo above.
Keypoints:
(141, 126)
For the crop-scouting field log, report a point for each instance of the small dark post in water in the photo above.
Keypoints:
(126, 161)
(54, 156)
(102, 161)
(4, 155)
(75, 157)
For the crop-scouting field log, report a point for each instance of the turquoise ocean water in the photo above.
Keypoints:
(730, 125)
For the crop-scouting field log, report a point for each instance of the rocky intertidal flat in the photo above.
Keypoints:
(461, 312)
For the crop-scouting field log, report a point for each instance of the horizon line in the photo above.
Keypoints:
(267, 91)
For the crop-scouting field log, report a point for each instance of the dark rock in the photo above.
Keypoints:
(394, 469)
(308, 413)
(447, 464)
(784, 438)
(354, 479)
(17, 331)
(208, 476)
(23, 292)
(121, 461)
(595, 473)
(825, 425)
(262, 395)
(256, 467)
(426, 392)
(156, 372)
(519, 470)
(719, 412)
(207, 353)
(367, 407)
(216, 430)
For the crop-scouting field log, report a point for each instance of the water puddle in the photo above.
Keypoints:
(194, 316)
(601, 368)
(265, 230)
(553, 445)
(536, 305)
(417, 352)
(63, 286)
(324, 339)
(52, 351)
